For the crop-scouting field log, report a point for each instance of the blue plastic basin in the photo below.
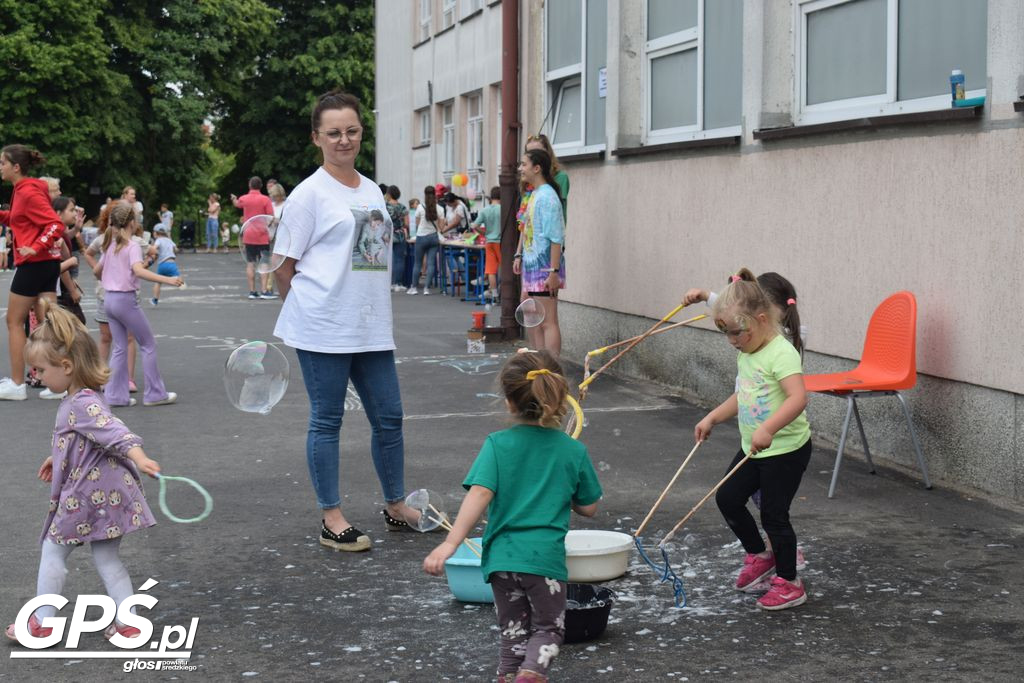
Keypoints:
(465, 580)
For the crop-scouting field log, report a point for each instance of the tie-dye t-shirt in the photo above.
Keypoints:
(543, 226)
(760, 394)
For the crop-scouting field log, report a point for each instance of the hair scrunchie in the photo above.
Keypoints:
(791, 302)
(534, 374)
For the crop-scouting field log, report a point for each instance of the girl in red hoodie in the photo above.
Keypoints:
(36, 230)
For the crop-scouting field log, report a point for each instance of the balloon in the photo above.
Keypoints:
(256, 377)
(235, 228)
(471, 194)
(530, 313)
(459, 179)
(425, 502)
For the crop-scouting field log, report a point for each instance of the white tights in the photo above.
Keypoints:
(53, 571)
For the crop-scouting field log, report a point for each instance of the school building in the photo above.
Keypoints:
(815, 138)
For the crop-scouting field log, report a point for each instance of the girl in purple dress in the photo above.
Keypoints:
(96, 496)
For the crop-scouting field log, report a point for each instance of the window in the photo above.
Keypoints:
(447, 14)
(425, 12)
(448, 138)
(860, 57)
(424, 125)
(474, 133)
(694, 52)
(470, 6)
(499, 133)
(576, 49)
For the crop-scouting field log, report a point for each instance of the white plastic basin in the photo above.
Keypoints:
(595, 555)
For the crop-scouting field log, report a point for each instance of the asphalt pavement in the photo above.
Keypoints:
(904, 583)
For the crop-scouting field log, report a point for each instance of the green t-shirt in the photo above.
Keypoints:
(536, 473)
(562, 180)
(759, 395)
(490, 218)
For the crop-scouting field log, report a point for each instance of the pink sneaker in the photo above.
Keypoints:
(783, 595)
(34, 628)
(755, 571)
(131, 387)
(126, 631)
(801, 561)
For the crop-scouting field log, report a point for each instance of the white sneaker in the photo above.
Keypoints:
(9, 391)
(411, 290)
(171, 398)
(426, 292)
(46, 393)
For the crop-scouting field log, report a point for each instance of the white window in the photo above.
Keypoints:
(470, 6)
(425, 12)
(447, 14)
(476, 182)
(499, 133)
(694, 51)
(864, 57)
(448, 138)
(576, 48)
(424, 125)
(474, 132)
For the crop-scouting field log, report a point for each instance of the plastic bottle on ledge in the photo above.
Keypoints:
(956, 85)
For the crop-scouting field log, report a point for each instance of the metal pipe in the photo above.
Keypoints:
(508, 177)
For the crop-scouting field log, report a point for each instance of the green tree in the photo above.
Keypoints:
(316, 46)
(59, 93)
(116, 92)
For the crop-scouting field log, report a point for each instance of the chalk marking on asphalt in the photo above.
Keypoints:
(499, 413)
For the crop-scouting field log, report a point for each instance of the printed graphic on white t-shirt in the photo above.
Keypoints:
(374, 244)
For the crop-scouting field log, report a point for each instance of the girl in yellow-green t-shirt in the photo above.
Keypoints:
(769, 402)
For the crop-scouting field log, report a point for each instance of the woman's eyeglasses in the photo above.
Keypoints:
(335, 135)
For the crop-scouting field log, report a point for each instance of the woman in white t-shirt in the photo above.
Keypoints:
(338, 319)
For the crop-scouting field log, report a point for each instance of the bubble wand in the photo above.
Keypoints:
(207, 499)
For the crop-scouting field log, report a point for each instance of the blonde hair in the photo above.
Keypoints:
(120, 217)
(61, 336)
(546, 144)
(743, 300)
(535, 386)
(277, 193)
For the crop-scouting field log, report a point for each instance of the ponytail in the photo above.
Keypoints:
(535, 386)
(783, 295)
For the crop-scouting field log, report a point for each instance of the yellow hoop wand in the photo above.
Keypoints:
(578, 412)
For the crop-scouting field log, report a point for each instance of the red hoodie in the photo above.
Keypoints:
(33, 221)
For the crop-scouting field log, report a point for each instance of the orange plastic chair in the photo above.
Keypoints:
(888, 366)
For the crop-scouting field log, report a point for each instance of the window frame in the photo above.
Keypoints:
(474, 132)
(856, 107)
(424, 121)
(448, 138)
(449, 10)
(425, 19)
(664, 46)
(556, 80)
(470, 6)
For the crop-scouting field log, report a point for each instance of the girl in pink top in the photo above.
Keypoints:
(120, 270)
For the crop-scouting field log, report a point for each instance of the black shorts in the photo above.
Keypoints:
(254, 253)
(35, 278)
(548, 294)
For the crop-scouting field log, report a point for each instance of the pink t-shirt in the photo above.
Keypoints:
(255, 203)
(117, 268)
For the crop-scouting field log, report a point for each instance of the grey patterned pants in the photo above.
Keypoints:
(531, 616)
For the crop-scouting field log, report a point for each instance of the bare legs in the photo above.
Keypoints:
(18, 307)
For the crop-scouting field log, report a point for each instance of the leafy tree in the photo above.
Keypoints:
(116, 92)
(316, 46)
(59, 93)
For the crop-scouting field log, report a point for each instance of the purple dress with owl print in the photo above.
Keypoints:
(96, 493)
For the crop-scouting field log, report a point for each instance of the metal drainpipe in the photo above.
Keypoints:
(508, 178)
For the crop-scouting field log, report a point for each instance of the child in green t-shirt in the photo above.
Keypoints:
(770, 399)
(528, 478)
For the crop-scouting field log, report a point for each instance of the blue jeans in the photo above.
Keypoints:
(398, 248)
(426, 245)
(375, 378)
(212, 232)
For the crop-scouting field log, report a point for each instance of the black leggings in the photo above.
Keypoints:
(778, 477)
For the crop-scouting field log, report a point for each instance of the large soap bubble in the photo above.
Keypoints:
(430, 508)
(262, 229)
(530, 313)
(256, 377)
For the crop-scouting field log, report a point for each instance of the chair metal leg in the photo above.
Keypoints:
(863, 436)
(913, 437)
(842, 444)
